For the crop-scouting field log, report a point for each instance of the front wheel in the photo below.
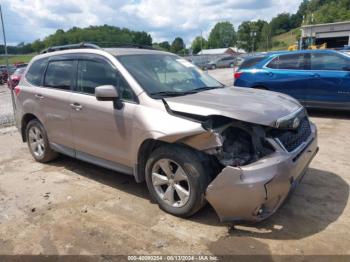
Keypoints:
(177, 180)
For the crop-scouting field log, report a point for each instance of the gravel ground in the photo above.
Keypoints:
(6, 111)
(73, 208)
(224, 75)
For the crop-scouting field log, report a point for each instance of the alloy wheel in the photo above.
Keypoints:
(171, 182)
(36, 141)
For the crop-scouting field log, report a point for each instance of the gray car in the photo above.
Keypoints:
(222, 62)
(155, 116)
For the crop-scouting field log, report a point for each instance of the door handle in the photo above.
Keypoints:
(39, 96)
(76, 106)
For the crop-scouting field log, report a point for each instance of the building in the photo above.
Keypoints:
(335, 35)
(222, 51)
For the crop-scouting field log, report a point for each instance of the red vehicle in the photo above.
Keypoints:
(13, 79)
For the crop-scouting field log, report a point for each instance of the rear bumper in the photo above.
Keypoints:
(254, 192)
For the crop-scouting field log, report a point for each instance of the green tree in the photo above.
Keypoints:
(266, 37)
(38, 45)
(165, 45)
(198, 43)
(281, 24)
(177, 45)
(250, 35)
(222, 35)
(142, 38)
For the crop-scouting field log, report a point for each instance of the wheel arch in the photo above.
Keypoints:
(145, 150)
(24, 122)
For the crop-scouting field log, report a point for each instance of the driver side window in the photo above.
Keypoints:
(96, 73)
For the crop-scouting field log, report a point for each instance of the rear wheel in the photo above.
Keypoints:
(38, 142)
(213, 67)
(177, 180)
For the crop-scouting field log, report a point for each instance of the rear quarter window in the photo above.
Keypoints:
(35, 72)
(250, 62)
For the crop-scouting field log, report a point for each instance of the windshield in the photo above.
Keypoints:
(162, 75)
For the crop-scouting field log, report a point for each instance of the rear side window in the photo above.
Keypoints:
(59, 74)
(332, 62)
(249, 62)
(293, 61)
(36, 71)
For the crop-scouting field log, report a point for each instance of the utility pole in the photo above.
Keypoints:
(3, 33)
(201, 40)
(6, 56)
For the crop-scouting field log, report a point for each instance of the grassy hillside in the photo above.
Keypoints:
(282, 41)
(17, 58)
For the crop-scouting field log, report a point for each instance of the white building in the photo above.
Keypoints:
(222, 51)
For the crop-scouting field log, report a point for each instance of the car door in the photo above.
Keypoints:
(101, 132)
(331, 78)
(289, 74)
(54, 99)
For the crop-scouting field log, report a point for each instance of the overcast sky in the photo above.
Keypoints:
(27, 20)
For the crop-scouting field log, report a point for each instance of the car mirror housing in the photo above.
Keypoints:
(106, 93)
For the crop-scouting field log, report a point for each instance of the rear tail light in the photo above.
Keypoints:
(237, 75)
(15, 78)
(17, 90)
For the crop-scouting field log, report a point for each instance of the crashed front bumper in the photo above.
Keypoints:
(255, 191)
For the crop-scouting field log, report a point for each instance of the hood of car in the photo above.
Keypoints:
(249, 105)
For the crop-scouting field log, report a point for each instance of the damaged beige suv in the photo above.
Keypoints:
(155, 116)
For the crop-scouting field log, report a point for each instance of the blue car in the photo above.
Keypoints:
(317, 78)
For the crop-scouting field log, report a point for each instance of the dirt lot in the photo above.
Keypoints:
(71, 207)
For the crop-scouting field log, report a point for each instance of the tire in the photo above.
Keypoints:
(213, 67)
(38, 142)
(195, 183)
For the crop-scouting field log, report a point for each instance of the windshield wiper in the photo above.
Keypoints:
(182, 93)
(169, 93)
(204, 88)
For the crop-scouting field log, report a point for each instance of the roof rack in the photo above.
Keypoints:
(123, 45)
(72, 46)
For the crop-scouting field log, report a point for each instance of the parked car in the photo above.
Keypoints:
(157, 117)
(222, 62)
(20, 64)
(317, 78)
(3, 75)
(13, 79)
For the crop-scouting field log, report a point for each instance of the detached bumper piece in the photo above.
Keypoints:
(255, 191)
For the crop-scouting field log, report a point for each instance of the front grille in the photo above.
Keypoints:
(291, 139)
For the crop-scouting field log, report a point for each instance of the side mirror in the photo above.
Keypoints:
(109, 93)
(106, 93)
